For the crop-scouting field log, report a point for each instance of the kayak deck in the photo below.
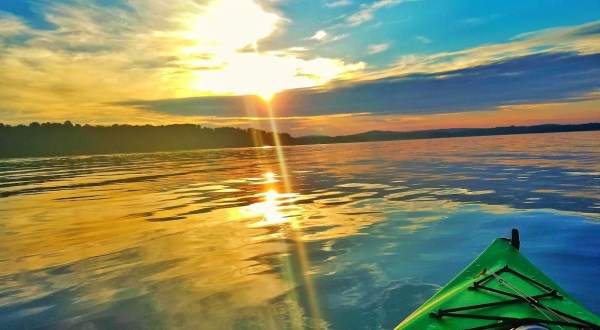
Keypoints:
(500, 289)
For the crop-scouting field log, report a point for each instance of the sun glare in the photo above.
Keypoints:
(223, 43)
(266, 96)
(229, 25)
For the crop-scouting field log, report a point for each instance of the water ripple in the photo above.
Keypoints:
(213, 238)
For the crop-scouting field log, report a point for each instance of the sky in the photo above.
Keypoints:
(330, 67)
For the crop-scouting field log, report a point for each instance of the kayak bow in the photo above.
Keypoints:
(501, 289)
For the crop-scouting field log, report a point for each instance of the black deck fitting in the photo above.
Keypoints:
(515, 240)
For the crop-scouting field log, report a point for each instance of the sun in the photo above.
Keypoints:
(220, 45)
(266, 96)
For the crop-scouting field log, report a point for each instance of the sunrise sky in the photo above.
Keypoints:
(328, 66)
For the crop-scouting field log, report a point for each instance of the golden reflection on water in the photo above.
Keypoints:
(212, 259)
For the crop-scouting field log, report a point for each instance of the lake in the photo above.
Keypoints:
(346, 236)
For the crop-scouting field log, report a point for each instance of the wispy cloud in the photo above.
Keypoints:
(367, 11)
(584, 39)
(423, 39)
(378, 48)
(325, 37)
(475, 21)
(319, 35)
(11, 25)
(339, 3)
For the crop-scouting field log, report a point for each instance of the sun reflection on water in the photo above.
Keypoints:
(278, 209)
(272, 215)
(270, 177)
(268, 209)
(273, 212)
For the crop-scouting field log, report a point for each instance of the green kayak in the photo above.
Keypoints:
(501, 289)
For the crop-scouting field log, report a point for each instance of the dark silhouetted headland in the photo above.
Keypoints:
(55, 139)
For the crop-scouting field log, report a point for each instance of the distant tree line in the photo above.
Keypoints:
(372, 136)
(55, 139)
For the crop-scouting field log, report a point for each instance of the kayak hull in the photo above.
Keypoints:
(500, 289)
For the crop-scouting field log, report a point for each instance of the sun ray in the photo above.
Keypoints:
(296, 227)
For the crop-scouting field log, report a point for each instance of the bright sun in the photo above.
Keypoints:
(266, 96)
(222, 42)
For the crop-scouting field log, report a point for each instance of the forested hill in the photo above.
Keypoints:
(447, 133)
(55, 139)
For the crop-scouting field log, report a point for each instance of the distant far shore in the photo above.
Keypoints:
(372, 136)
(66, 139)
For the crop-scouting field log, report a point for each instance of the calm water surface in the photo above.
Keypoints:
(348, 236)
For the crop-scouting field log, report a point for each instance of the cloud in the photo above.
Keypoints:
(423, 39)
(207, 106)
(475, 21)
(324, 37)
(257, 73)
(378, 48)
(367, 11)
(319, 35)
(11, 25)
(339, 3)
(93, 54)
(588, 29)
(577, 39)
(522, 80)
(561, 113)
(296, 49)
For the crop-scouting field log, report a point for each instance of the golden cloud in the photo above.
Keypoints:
(150, 50)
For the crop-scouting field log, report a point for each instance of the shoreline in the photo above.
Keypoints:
(66, 140)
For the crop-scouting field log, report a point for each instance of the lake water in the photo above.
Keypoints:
(347, 236)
